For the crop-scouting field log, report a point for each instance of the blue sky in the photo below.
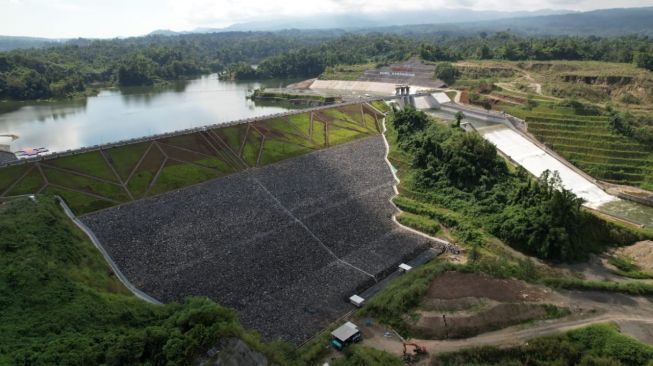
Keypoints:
(105, 18)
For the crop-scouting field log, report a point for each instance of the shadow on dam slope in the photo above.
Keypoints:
(285, 244)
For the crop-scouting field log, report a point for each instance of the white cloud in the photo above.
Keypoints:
(225, 12)
(110, 18)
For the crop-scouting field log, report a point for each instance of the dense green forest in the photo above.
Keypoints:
(463, 173)
(74, 68)
(383, 48)
(71, 69)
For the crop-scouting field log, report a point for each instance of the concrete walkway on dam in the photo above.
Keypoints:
(371, 87)
(285, 244)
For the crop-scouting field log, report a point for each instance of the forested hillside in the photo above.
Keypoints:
(459, 178)
(602, 22)
(380, 48)
(73, 69)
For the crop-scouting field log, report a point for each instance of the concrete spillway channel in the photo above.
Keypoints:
(536, 160)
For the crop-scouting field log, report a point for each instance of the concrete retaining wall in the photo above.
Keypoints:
(648, 201)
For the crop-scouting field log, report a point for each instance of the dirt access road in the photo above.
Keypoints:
(633, 314)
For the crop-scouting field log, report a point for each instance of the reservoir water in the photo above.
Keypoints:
(119, 114)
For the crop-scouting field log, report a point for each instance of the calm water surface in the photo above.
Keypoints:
(123, 114)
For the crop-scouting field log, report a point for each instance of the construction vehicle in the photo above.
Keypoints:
(418, 352)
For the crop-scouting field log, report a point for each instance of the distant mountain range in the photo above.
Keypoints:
(605, 22)
(352, 22)
(8, 43)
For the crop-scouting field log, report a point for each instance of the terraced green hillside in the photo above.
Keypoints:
(98, 179)
(589, 143)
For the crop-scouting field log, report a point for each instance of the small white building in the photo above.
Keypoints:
(357, 300)
(403, 268)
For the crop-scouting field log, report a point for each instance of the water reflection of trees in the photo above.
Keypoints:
(146, 94)
(7, 107)
(55, 110)
(44, 110)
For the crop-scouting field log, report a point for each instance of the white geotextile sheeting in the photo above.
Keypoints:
(425, 102)
(441, 97)
(363, 86)
(536, 161)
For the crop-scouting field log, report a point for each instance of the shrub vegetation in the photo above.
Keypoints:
(600, 344)
(62, 305)
(462, 173)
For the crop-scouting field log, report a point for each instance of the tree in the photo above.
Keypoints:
(620, 123)
(644, 60)
(430, 52)
(530, 102)
(409, 121)
(484, 53)
(26, 84)
(446, 72)
(486, 103)
(242, 71)
(459, 117)
(139, 71)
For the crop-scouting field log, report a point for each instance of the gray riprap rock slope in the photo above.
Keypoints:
(234, 352)
(285, 244)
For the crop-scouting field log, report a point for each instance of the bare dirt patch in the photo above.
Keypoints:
(434, 325)
(459, 305)
(596, 268)
(456, 285)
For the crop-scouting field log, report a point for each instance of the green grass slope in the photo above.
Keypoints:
(60, 303)
(99, 179)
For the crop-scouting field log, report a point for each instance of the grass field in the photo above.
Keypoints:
(345, 72)
(100, 179)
